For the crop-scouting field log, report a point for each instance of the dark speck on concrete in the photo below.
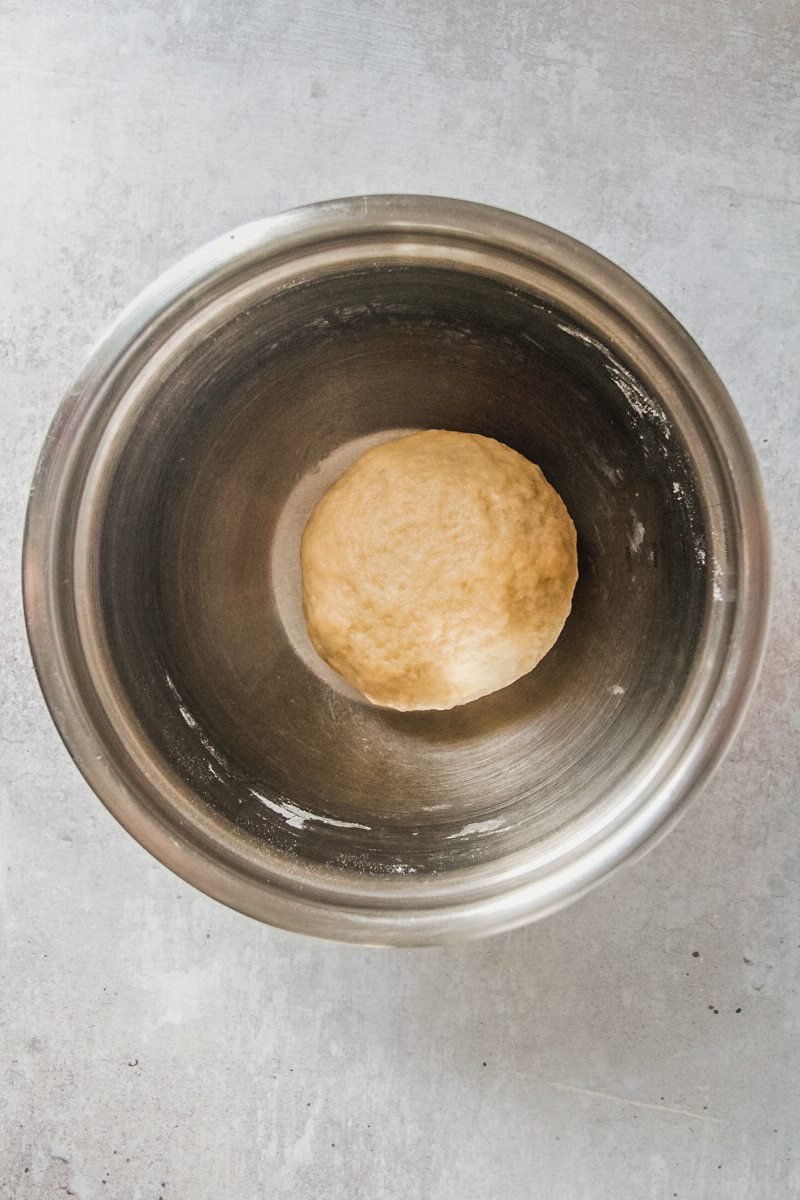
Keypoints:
(748, 962)
(695, 954)
(738, 1010)
(483, 1064)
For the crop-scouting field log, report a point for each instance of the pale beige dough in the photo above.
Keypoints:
(439, 568)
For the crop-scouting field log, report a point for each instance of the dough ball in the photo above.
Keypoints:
(438, 568)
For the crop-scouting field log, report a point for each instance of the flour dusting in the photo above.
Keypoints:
(641, 403)
(637, 536)
(297, 817)
(194, 725)
(477, 827)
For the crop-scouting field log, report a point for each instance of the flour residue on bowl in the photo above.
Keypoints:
(687, 500)
(477, 827)
(614, 475)
(197, 729)
(639, 400)
(643, 405)
(296, 817)
(637, 535)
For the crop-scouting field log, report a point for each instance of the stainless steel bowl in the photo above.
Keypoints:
(161, 569)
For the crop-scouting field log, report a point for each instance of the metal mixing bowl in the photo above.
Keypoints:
(161, 569)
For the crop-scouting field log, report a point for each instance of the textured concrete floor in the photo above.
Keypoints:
(646, 1043)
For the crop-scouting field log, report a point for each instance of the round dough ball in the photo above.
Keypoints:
(438, 568)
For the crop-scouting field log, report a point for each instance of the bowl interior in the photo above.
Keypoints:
(198, 570)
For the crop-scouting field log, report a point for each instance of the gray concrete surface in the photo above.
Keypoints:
(646, 1043)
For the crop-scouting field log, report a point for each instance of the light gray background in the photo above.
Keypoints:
(155, 1044)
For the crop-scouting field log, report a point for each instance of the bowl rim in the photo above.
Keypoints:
(401, 910)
